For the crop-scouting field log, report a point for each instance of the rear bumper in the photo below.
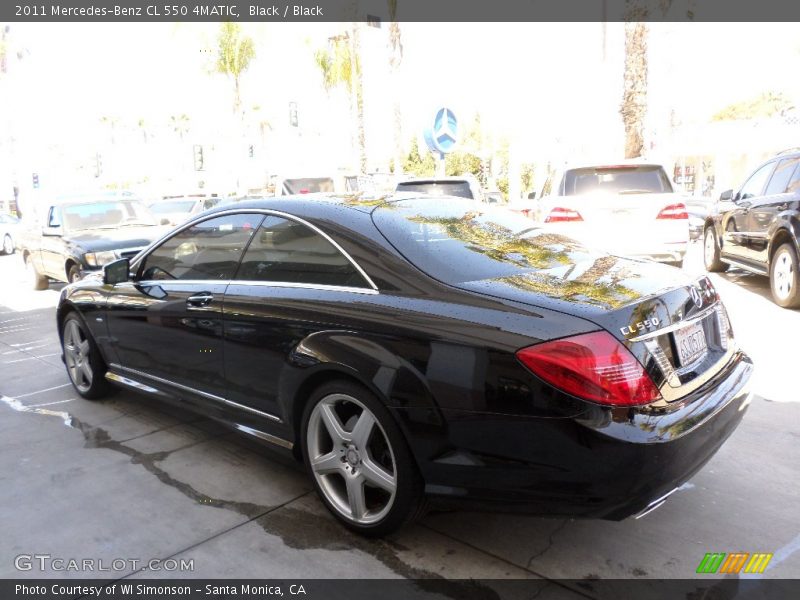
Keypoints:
(607, 463)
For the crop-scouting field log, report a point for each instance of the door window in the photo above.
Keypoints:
(289, 252)
(755, 184)
(209, 250)
(794, 183)
(780, 179)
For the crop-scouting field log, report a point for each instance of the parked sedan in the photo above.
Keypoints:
(416, 350)
(9, 230)
(756, 228)
(628, 208)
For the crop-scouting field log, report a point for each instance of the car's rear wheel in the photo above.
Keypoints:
(359, 460)
(711, 253)
(8, 245)
(37, 280)
(85, 366)
(783, 277)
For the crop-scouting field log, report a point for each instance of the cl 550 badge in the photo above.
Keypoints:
(641, 326)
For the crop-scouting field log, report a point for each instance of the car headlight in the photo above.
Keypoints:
(98, 259)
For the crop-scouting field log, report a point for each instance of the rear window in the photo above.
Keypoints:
(467, 240)
(641, 179)
(172, 206)
(437, 188)
(307, 185)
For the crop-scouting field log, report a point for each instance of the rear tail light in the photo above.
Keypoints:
(593, 366)
(562, 215)
(673, 211)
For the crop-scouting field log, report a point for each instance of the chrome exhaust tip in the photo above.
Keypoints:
(657, 503)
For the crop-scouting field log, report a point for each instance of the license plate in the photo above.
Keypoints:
(691, 343)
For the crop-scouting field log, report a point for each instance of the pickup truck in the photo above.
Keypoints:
(76, 236)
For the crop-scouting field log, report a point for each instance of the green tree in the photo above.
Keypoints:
(235, 52)
(417, 164)
(763, 105)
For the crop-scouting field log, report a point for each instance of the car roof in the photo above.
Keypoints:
(627, 162)
(88, 198)
(306, 204)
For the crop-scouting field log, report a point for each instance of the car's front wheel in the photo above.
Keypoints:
(783, 277)
(359, 460)
(711, 253)
(85, 366)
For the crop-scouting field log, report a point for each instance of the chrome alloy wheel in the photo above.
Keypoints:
(783, 275)
(76, 355)
(352, 459)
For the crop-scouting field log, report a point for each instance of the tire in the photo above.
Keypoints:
(73, 273)
(8, 245)
(784, 279)
(711, 252)
(37, 280)
(85, 366)
(367, 479)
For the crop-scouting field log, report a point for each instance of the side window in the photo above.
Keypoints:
(289, 252)
(794, 184)
(780, 179)
(755, 184)
(54, 217)
(208, 250)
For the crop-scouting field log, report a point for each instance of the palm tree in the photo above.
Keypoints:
(340, 65)
(634, 93)
(235, 52)
(395, 58)
(180, 125)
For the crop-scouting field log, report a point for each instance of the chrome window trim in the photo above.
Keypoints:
(228, 282)
(261, 211)
(198, 392)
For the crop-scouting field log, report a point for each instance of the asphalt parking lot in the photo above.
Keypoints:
(129, 479)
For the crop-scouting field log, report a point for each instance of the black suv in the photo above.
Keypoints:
(756, 228)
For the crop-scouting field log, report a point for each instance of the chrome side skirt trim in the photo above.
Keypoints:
(752, 269)
(111, 376)
(264, 436)
(191, 390)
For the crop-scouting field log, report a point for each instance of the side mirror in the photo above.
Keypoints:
(51, 231)
(532, 196)
(726, 195)
(117, 271)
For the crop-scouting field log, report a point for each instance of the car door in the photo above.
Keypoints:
(292, 282)
(52, 258)
(166, 324)
(735, 222)
(765, 209)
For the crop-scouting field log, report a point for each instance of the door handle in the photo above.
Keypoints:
(200, 300)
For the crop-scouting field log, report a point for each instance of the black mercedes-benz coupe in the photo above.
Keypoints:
(418, 349)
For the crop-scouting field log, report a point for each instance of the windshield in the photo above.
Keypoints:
(635, 179)
(106, 215)
(437, 188)
(466, 240)
(172, 206)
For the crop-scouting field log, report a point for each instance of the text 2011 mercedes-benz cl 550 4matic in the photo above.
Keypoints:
(417, 349)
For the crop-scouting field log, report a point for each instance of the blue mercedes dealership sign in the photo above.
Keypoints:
(443, 136)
